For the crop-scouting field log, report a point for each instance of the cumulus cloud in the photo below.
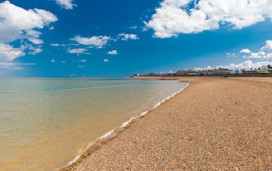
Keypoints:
(267, 48)
(77, 51)
(33, 36)
(244, 65)
(100, 41)
(176, 16)
(35, 50)
(124, 36)
(97, 41)
(67, 4)
(258, 55)
(264, 52)
(8, 54)
(106, 60)
(83, 60)
(113, 52)
(205, 68)
(17, 23)
(245, 51)
(32, 50)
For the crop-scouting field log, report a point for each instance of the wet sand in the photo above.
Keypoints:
(215, 123)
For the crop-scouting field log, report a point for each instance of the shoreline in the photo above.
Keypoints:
(108, 136)
(216, 123)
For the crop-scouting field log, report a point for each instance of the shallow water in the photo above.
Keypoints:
(46, 122)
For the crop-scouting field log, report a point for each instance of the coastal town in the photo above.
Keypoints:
(258, 72)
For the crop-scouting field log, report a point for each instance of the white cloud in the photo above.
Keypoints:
(257, 55)
(113, 52)
(8, 54)
(245, 51)
(51, 28)
(35, 41)
(106, 60)
(229, 55)
(18, 23)
(97, 41)
(55, 44)
(134, 27)
(28, 64)
(244, 65)
(174, 16)
(9, 65)
(265, 51)
(124, 36)
(63, 62)
(78, 50)
(46, 16)
(33, 36)
(67, 4)
(35, 51)
(83, 60)
(268, 47)
(53, 60)
(206, 68)
(32, 50)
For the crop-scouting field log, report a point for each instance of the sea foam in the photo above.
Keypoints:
(114, 132)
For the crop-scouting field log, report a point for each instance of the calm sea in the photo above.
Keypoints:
(47, 122)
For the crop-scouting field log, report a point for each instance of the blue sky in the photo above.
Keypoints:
(62, 38)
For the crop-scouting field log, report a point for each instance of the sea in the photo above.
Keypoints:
(45, 123)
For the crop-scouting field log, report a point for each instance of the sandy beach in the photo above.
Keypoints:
(215, 123)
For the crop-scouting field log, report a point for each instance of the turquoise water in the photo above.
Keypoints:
(46, 122)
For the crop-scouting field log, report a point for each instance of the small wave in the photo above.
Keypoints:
(114, 132)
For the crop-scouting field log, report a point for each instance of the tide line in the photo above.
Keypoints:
(99, 142)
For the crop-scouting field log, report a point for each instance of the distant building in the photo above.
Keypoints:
(194, 73)
(182, 73)
(222, 71)
(269, 68)
(212, 72)
(215, 72)
(137, 75)
(264, 70)
(151, 74)
(235, 72)
(250, 71)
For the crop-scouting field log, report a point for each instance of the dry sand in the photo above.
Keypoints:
(215, 123)
(262, 79)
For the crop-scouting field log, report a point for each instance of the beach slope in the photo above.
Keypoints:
(215, 123)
